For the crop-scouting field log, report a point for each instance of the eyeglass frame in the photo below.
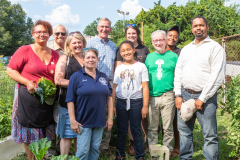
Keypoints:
(62, 33)
(160, 40)
(41, 32)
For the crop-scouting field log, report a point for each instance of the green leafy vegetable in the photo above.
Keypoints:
(46, 90)
(39, 148)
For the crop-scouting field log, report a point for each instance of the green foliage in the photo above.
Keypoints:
(163, 18)
(232, 104)
(46, 90)
(91, 29)
(62, 157)
(15, 28)
(39, 148)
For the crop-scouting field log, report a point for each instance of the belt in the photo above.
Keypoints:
(192, 91)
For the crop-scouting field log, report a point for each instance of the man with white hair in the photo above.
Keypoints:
(60, 33)
(161, 65)
(106, 54)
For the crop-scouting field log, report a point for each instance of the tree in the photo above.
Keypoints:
(15, 28)
(222, 20)
(91, 29)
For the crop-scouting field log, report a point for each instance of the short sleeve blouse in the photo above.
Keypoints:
(30, 66)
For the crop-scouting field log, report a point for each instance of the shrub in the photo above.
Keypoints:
(232, 106)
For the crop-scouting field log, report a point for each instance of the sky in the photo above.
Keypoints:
(77, 14)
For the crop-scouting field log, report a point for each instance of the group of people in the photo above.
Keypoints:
(93, 75)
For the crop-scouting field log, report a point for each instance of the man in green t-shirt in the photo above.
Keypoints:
(161, 65)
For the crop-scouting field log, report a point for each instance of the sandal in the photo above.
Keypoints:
(175, 153)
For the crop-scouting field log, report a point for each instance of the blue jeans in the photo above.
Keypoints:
(135, 117)
(88, 143)
(208, 122)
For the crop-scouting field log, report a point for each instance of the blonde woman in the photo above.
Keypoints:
(69, 63)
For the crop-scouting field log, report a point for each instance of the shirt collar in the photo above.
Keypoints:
(56, 47)
(84, 72)
(207, 39)
(101, 39)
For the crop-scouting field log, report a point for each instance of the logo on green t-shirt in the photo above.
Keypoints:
(159, 62)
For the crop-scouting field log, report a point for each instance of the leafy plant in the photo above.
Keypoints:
(46, 90)
(231, 106)
(39, 148)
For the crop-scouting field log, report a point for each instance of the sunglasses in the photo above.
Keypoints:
(85, 49)
(134, 25)
(58, 33)
(72, 33)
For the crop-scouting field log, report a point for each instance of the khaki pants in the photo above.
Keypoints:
(107, 138)
(163, 105)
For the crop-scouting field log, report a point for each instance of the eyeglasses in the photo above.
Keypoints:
(72, 33)
(58, 33)
(85, 49)
(158, 40)
(134, 25)
(41, 32)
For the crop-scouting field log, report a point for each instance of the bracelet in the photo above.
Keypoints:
(111, 118)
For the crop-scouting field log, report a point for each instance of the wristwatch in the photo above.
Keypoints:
(178, 95)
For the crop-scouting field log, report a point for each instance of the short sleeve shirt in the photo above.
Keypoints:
(55, 47)
(140, 55)
(90, 97)
(129, 79)
(30, 66)
(161, 72)
(177, 50)
(106, 54)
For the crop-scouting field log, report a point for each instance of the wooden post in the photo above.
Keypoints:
(142, 31)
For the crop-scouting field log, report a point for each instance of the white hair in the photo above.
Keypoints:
(104, 19)
(157, 32)
(54, 27)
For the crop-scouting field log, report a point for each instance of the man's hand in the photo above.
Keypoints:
(178, 102)
(144, 112)
(198, 104)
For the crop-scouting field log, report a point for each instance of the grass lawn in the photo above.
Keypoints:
(223, 122)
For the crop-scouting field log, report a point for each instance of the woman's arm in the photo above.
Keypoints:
(145, 99)
(60, 72)
(74, 123)
(16, 76)
(109, 123)
(114, 99)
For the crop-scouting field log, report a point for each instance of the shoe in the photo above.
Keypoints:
(105, 152)
(131, 150)
(120, 158)
(154, 158)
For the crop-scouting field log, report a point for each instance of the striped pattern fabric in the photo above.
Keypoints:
(68, 132)
(106, 54)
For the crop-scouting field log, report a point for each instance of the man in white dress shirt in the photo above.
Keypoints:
(199, 73)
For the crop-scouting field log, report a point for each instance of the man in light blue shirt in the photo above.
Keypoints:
(106, 54)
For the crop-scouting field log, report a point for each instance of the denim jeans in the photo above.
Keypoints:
(88, 143)
(135, 117)
(61, 121)
(208, 122)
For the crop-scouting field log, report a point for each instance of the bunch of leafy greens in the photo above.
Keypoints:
(46, 90)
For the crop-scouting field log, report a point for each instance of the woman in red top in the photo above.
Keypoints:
(33, 120)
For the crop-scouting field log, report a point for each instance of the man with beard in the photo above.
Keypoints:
(106, 54)
(60, 33)
(199, 73)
